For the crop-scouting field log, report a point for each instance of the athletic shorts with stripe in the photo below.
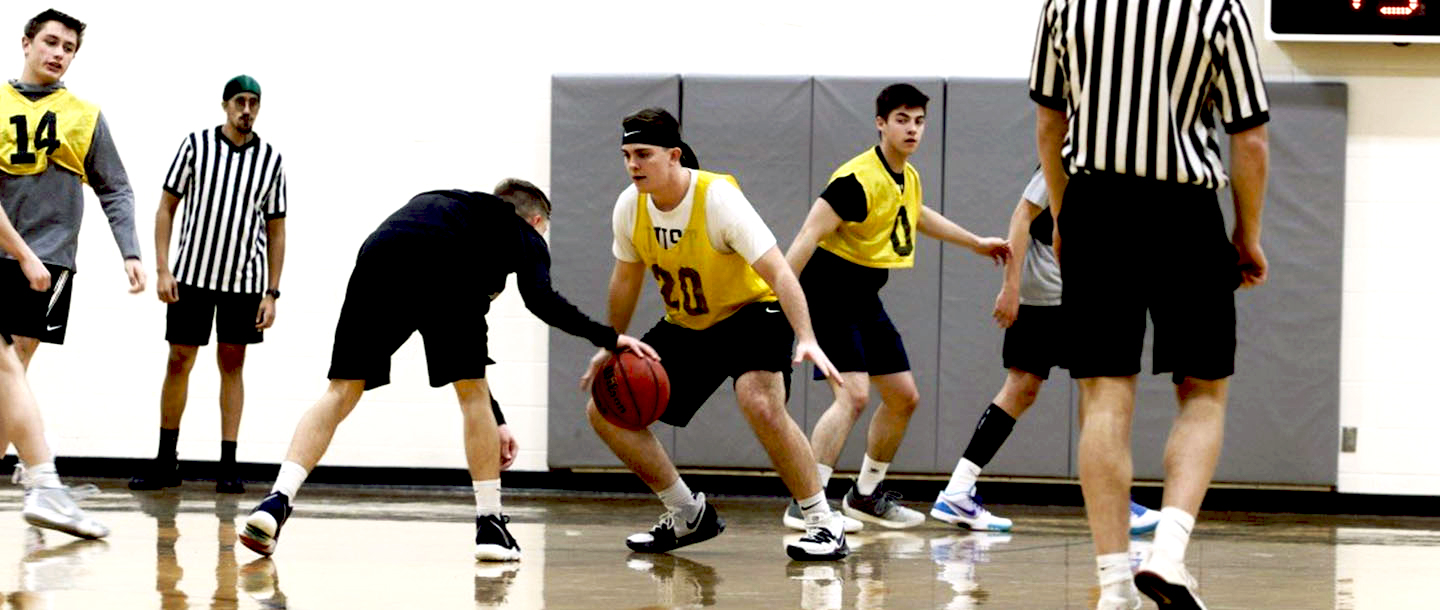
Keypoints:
(756, 338)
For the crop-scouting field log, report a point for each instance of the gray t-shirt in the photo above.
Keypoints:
(1040, 275)
(46, 208)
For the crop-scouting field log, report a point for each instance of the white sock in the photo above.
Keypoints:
(487, 497)
(679, 500)
(825, 472)
(42, 475)
(872, 472)
(814, 505)
(1172, 535)
(291, 477)
(963, 479)
(1115, 577)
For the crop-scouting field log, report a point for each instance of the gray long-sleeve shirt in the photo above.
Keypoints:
(46, 208)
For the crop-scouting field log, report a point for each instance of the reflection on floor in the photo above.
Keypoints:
(405, 548)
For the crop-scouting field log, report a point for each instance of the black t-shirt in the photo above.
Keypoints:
(467, 239)
(847, 197)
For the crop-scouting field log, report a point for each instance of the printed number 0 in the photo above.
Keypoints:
(692, 294)
(45, 138)
(903, 246)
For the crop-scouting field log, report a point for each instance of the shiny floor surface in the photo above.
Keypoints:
(398, 548)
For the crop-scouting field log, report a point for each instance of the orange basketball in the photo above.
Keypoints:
(630, 391)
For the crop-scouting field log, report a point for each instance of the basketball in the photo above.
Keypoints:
(630, 391)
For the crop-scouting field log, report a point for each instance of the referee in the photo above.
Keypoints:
(226, 270)
(1125, 128)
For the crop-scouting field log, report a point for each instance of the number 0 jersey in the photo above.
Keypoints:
(700, 284)
(55, 129)
(886, 238)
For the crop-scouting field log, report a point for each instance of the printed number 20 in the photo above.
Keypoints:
(692, 295)
(44, 138)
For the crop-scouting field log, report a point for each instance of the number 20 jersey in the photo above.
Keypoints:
(886, 238)
(55, 129)
(699, 284)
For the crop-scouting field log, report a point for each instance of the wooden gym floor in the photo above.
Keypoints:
(409, 548)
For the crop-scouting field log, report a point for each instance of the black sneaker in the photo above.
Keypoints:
(672, 532)
(880, 506)
(493, 541)
(158, 475)
(262, 527)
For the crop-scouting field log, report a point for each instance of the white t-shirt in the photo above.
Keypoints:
(1040, 276)
(733, 224)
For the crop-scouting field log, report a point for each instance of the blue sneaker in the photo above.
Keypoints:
(965, 510)
(1142, 520)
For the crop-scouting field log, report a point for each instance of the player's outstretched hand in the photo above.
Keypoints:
(36, 273)
(135, 272)
(641, 348)
(1007, 307)
(508, 447)
(996, 248)
(810, 350)
(1254, 268)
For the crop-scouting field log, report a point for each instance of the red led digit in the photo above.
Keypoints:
(1406, 8)
(1355, 4)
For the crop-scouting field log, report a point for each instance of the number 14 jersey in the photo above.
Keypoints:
(55, 129)
(700, 252)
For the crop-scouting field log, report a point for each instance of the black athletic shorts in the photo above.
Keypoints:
(756, 338)
(1033, 343)
(28, 313)
(1131, 245)
(188, 320)
(392, 294)
(850, 322)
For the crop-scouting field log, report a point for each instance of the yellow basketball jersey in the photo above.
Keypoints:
(55, 129)
(700, 286)
(886, 238)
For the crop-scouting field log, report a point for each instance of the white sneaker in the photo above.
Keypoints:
(965, 510)
(1168, 583)
(824, 540)
(882, 507)
(1142, 520)
(795, 519)
(53, 508)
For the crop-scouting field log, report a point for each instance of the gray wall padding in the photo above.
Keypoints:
(844, 125)
(988, 161)
(977, 154)
(585, 178)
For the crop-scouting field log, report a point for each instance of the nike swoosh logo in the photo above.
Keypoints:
(49, 328)
(693, 525)
(810, 507)
(769, 310)
(631, 133)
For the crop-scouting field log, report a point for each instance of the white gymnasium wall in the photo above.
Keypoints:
(372, 107)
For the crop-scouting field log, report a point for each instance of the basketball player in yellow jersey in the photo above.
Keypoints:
(863, 225)
(731, 303)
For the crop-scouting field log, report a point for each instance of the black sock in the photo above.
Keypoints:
(168, 438)
(227, 456)
(990, 433)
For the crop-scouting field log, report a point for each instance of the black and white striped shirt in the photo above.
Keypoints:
(228, 193)
(1141, 79)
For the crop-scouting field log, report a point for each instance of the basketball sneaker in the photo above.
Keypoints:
(157, 474)
(1142, 520)
(795, 519)
(824, 540)
(966, 510)
(54, 508)
(493, 541)
(1168, 583)
(673, 532)
(882, 507)
(262, 527)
